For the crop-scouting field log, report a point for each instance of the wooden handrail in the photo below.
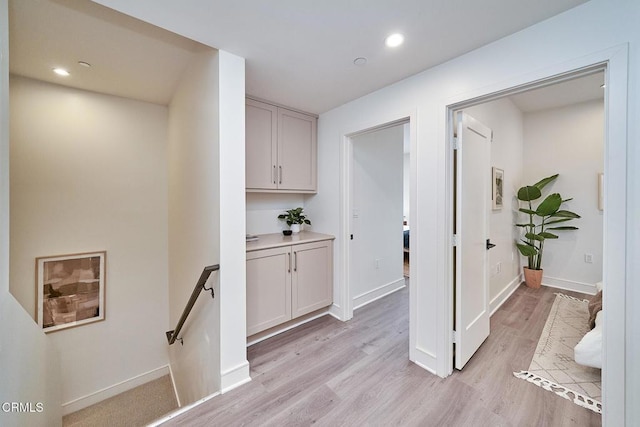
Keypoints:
(172, 335)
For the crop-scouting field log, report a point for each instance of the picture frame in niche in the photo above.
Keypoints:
(497, 188)
(601, 191)
(70, 290)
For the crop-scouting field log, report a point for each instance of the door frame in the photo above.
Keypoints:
(344, 309)
(614, 62)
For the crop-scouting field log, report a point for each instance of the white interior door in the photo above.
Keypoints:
(473, 178)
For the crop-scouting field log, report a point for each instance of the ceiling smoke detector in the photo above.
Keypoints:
(360, 62)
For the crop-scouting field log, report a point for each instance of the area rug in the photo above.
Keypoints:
(553, 367)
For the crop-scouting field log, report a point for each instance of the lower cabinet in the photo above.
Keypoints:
(287, 282)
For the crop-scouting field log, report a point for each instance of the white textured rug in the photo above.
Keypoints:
(553, 367)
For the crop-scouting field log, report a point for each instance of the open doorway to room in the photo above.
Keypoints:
(377, 205)
(555, 128)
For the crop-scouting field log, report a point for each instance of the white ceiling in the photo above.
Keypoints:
(298, 52)
(582, 89)
(129, 58)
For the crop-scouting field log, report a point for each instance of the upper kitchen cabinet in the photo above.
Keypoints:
(281, 149)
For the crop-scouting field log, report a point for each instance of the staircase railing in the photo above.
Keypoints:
(172, 335)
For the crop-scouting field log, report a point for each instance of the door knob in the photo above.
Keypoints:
(489, 244)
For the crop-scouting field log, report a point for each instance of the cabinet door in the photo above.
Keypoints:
(261, 138)
(268, 288)
(297, 151)
(312, 277)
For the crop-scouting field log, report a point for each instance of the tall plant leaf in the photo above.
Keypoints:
(555, 221)
(526, 250)
(550, 205)
(566, 214)
(527, 211)
(547, 235)
(566, 227)
(529, 193)
(544, 181)
(538, 237)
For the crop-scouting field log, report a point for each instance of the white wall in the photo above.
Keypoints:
(194, 226)
(506, 122)
(591, 33)
(88, 173)
(377, 250)
(579, 37)
(30, 363)
(206, 192)
(263, 210)
(234, 367)
(569, 141)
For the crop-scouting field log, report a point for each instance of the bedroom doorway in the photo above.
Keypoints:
(554, 127)
(377, 206)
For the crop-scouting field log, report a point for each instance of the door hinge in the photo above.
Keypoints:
(455, 143)
(454, 240)
(454, 337)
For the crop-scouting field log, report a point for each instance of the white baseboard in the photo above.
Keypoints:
(234, 377)
(377, 293)
(504, 294)
(336, 311)
(425, 359)
(107, 392)
(175, 389)
(277, 330)
(569, 285)
(182, 410)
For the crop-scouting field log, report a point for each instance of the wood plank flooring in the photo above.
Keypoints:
(358, 373)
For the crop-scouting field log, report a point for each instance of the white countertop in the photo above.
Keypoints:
(275, 240)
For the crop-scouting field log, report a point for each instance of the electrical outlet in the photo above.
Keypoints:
(377, 264)
(588, 258)
(499, 268)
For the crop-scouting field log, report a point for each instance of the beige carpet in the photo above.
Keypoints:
(136, 407)
(553, 366)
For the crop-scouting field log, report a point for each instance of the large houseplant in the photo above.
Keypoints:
(543, 218)
(294, 219)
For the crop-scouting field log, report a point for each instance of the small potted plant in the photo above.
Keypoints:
(537, 228)
(294, 219)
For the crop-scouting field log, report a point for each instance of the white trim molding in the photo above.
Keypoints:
(113, 390)
(234, 377)
(377, 293)
(504, 294)
(569, 285)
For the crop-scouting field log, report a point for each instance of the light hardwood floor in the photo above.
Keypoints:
(358, 373)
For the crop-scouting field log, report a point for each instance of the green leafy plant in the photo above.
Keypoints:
(294, 216)
(541, 218)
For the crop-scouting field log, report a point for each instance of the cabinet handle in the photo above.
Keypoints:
(280, 167)
(295, 261)
(274, 174)
(289, 268)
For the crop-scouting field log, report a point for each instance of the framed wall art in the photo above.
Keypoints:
(497, 188)
(70, 290)
(601, 191)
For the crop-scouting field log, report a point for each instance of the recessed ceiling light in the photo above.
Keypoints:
(360, 62)
(84, 64)
(61, 72)
(394, 40)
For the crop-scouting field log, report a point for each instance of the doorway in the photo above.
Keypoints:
(571, 101)
(377, 213)
(359, 213)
